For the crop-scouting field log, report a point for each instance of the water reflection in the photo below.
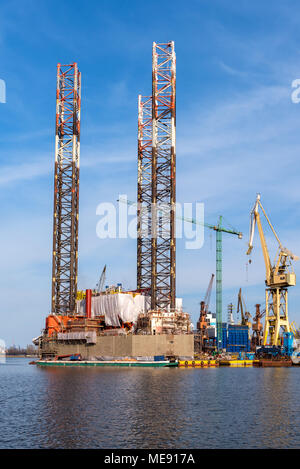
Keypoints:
(113, 407)
(148, 408)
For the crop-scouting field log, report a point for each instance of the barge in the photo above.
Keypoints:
(264, 362)
(118, 363)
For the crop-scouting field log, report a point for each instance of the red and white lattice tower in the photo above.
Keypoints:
(163, 258)
(66, 190)
(144, 195)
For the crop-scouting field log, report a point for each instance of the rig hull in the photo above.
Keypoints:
(121, 346)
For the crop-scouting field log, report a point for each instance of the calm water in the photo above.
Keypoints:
(148, 408)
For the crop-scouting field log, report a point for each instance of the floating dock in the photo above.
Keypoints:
(198, 363)
(166, 363)
(237, 363)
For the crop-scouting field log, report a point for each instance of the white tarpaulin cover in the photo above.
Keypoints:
(115, 306)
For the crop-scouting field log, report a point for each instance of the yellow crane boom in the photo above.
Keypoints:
(279, 276)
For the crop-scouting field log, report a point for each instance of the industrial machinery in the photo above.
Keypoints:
(202, 322)
(241, 308)
(257, 328)
(100, 284)
(282, 351)
(279, 277)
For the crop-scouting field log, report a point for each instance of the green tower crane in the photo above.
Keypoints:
(219, 229)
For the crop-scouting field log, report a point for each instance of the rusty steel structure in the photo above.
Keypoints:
(66, 190)
(144, 193)
(257, 328)
(163, 247)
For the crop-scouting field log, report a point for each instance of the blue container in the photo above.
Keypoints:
(224, 335)
(159, 358)
(238, 339)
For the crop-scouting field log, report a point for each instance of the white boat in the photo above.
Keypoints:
(296, 358)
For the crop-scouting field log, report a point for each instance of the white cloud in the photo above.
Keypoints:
(231, 70)
(25, 171)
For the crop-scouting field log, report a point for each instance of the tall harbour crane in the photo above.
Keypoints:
(208, 293)
(202, 322)
(100, 284)
(245, 315)
(204, 305)
(295, 330)
(279, 276)
(219, 229)
(241, 308)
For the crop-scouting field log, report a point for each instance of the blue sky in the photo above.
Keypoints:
(237, 134)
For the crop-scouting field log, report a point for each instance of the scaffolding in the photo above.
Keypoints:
(66, 190)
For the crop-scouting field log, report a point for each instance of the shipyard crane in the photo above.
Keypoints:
(219, 229)
(101, 282)
(208, 294)
(204, 305)
(279, 276)
(241, 308)
(295, 330)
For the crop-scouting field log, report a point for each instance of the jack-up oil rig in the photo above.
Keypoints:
(112, 322)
